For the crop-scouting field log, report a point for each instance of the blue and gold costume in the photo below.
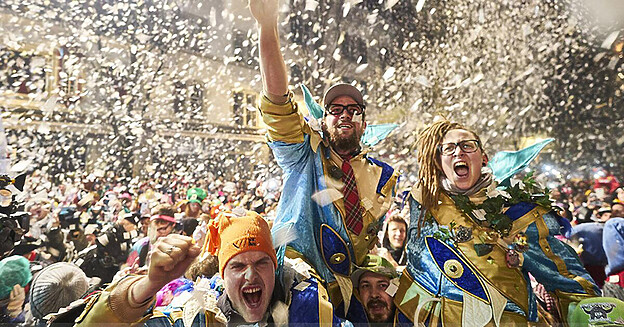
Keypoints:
(452, 282)
(312, 205)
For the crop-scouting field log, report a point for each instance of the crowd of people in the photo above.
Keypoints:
(335, 241)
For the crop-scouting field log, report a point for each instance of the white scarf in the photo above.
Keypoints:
(484, 181)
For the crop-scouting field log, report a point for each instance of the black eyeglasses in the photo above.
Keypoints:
(338, 109)
(467, 146)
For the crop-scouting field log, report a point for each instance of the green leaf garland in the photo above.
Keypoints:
(526, 191)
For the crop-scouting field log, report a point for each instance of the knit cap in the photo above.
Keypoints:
(55, 287)
(231, 234)
(13, 270)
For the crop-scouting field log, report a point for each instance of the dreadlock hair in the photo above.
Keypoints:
(430, 169)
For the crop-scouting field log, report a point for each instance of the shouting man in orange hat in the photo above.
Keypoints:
(247, 263)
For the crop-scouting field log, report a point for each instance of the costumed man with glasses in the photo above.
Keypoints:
(476, 234)
(334, 195)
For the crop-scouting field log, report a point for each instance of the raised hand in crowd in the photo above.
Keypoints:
(272, 65)
(171, 256)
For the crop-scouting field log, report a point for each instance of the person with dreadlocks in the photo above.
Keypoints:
(471, 246)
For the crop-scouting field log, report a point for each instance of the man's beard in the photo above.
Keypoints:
(341, 143)
(378, 318)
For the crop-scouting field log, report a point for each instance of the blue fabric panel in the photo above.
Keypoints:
(304, 306)
(518, 210)
(532, 314)
(613, 241)
(386, 173)
(303, 177)
(565, 226)
(356, 313)
(420, 265)
(468, 280)
(590, 235)
(544, 270)
(332, 244)
(314, 108)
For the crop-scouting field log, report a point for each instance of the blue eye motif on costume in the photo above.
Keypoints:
(335, 251)
(454, 267)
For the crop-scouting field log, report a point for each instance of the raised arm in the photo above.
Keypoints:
(272, 65)
(127, 301)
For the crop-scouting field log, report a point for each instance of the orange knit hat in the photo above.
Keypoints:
(230, 234)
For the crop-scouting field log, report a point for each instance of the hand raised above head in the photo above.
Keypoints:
(170, 258)
(264, 11)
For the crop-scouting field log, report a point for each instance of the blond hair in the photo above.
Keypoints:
(430, 169)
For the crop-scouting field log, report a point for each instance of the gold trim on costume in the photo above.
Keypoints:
(564, 299)
(527, 219)
(452, 316)
(92, 300)
(409, 305)
(508, 281)
(386, 190)
(561, 266)
(325, 307)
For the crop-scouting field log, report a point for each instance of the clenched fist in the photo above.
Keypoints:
(170, 257)
(264, 11)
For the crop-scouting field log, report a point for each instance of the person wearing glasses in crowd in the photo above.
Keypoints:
(334, 193)
(471, 246)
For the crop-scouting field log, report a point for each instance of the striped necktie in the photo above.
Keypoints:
(351, 199)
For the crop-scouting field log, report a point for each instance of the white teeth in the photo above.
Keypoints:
(251, 290)
(460, 164)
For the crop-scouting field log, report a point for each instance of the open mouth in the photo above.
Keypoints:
(252, 296)
(461, 169)
(376, 307)
(345, 126)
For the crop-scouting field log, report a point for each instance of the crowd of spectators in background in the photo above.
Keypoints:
(91, 229)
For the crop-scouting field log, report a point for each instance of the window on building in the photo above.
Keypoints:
(237, 107)
(22, 73)
(69, 75)
(188, 99)
(243, 109)
(242, 47)
(251, 113)
(179, 97)
(196, 98)
(373, 4)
